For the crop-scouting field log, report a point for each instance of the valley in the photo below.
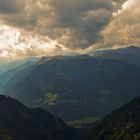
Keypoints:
(81, 90)
(69, 69)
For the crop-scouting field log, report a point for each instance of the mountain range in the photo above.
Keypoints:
(9, 74)
(80, 90)
(76, 87)
(130, 54)
(11, 64)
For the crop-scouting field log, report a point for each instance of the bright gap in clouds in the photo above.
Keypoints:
(126, 5)
(15, 43)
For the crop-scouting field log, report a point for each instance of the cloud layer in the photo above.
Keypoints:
(16, 43)
(124, 27)
(11, 6)
(72, 25)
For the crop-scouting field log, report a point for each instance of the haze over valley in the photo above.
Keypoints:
(69, 70)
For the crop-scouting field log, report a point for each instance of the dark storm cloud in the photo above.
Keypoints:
(11, 6)
(82, 20)
(74, 23)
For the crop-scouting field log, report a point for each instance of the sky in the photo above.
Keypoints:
(54, 27)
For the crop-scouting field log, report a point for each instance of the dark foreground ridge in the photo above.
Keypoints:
(17, 122)
(121, 124)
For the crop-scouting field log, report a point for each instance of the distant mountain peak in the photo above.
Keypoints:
(132, 47)
(9, 104)
(48, 58)
(4, 98)
(83, 56)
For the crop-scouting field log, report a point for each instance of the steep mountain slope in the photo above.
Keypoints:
(121, 124)
(77, 87)
(129, 54)
(17, 122)
(7, 65)
(9, 74)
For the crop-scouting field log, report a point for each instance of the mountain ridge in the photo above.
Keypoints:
(18, 122)
(74, 85)
(121, 124)
(130, 54)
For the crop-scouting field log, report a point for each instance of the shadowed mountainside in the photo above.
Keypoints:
(129, 54)
(17, 122)
(76, 87)
(121, 124)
